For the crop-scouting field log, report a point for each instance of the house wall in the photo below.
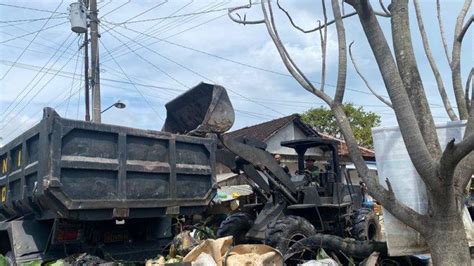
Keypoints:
(289, 132)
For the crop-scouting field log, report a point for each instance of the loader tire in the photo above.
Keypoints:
(236, 225)
(286, 231)
(365, 225)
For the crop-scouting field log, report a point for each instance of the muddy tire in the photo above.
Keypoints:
(286, 231)
(365, 225)
(236, 225)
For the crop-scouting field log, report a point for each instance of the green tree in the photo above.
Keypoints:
(362, 122)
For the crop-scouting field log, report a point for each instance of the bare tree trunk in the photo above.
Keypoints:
(410, 75)
(445, 230)
(448, 243)
(439, 79)
(456, 62)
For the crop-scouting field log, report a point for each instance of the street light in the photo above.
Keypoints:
(118, 104)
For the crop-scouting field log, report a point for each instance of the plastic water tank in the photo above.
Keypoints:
(78, 17)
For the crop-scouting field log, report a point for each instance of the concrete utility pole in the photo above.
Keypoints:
(96, 109)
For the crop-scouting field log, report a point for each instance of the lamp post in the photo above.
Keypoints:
(118, 104)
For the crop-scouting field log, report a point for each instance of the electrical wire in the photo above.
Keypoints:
(33, 32)
(6, 112)
(234, 61)
(36, 35)
(166, 27)
(36, 94)
(128, 78)
(200, 75)
(73, 79)
(29, 20)
(172, 16)
(150, 63)
(113, 50)
(34, 9)
(144, 12)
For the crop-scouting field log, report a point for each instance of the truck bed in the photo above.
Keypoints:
(63, 168)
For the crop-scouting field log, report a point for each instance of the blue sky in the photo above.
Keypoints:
(163, 69)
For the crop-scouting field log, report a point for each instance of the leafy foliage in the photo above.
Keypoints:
(361, 121)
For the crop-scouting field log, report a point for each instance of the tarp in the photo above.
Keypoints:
(394, 162)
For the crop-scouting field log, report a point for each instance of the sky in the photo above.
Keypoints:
(152, 51)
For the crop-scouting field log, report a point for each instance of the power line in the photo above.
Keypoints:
(69, 75)
(233, 61)
(150, 63)
(29, 20)
(142, 13)
(41, 89)
(34, 9)
(36, 35)
(33, 32)
(200, 75)
(32, 80)
(73, 80)
(165, 27)
(171, 17)
(115, 9)
(128, 78)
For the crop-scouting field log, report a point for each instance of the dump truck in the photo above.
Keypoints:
(73, 186)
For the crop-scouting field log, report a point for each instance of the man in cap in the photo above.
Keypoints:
(311, 168)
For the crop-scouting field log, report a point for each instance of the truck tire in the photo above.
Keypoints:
(365, 225)
(236, 225)
(286, 231)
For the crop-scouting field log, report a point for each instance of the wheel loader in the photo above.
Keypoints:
(291, 207)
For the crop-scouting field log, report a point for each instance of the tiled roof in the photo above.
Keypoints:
(342, 147)
(264, 131)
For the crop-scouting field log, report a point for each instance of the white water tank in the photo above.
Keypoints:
(78, 17)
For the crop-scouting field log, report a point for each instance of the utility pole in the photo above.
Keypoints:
(94, 21)
(86, 70)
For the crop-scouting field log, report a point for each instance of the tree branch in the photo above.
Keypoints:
(441, 30)
(342, 62)
(439, 80)
(387, 102)
(240, 20)
(419, 154)
(411, 78)
(319, 27)
(287, 60)
(385, 197)
(456, 62)
(465, 28)
(324, 45)
(384, 8)
(466, 94)
(454, 153)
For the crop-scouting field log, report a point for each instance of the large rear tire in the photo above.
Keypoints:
(365, 225)
(236, 225)
(288, 230)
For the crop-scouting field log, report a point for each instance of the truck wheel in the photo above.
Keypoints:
(286, 231)
(365, 225)
(236, 225)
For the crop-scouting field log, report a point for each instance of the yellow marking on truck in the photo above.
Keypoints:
(4, 166)
(19, 158)
(4, 194)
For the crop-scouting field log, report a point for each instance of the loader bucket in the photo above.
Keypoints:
(203, 109)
